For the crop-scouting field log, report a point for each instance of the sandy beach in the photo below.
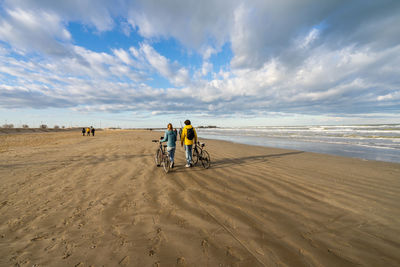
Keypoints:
(70, 200)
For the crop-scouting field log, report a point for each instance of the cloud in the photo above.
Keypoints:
(177, 75)
(96, 13)
(30, 31)
(123, 56)
(191, 22)
(305, 41)
(309, 57)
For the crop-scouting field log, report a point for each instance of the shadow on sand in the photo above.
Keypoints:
(228, 162)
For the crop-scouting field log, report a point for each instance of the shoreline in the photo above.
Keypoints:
(359, 155)
(69, 200)
(371, 142)
(344, 150)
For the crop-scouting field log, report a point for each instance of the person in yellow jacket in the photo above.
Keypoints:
(188, 137)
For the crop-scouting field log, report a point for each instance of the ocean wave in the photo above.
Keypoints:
(367, 140)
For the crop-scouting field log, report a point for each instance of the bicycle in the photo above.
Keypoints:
(161, 157)
(199, 153)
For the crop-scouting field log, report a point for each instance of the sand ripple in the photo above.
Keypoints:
(68, 200)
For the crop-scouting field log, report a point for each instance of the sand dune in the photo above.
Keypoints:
(69, 200)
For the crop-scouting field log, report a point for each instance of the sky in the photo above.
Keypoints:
(145, 63)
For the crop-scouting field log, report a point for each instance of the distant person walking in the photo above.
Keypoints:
(170, 138)
(88, 131)
(180, 133)
(83, 131)
(93, 130)
(188, 137)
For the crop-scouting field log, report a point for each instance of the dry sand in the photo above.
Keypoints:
(69, 200)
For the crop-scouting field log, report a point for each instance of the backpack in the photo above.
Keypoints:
(190, 133)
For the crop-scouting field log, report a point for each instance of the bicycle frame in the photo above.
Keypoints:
(162, 156)
(199, 153)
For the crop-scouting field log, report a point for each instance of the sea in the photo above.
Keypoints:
(369, 142)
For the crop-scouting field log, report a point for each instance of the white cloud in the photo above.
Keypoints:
(286, 57)
(309, 38)
(134, 52)
(387, 97)
(206, 68)
(181, 77)
(208, 52)
(97, 13)
(123, 56)
(34, 31)
(178, 76)
(157, 61)
(126, 28)
(191, 22)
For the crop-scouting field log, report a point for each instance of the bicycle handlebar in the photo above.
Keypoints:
(156, 141)
(200, 144)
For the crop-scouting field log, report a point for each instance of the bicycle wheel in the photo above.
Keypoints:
(205, 159)
(166, 163)
(158, 157)
(195, 156)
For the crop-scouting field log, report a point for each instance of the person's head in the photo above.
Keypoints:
(187, 122)
(169, 127)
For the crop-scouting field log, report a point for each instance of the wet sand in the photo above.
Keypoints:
(69, 200)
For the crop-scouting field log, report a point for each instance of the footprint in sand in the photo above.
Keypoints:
(204, 245)
(181, 262)
(124, 261)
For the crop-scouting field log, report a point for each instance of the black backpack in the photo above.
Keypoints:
(190, 133)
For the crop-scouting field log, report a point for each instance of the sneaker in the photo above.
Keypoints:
(171, 165)
(187, 165)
